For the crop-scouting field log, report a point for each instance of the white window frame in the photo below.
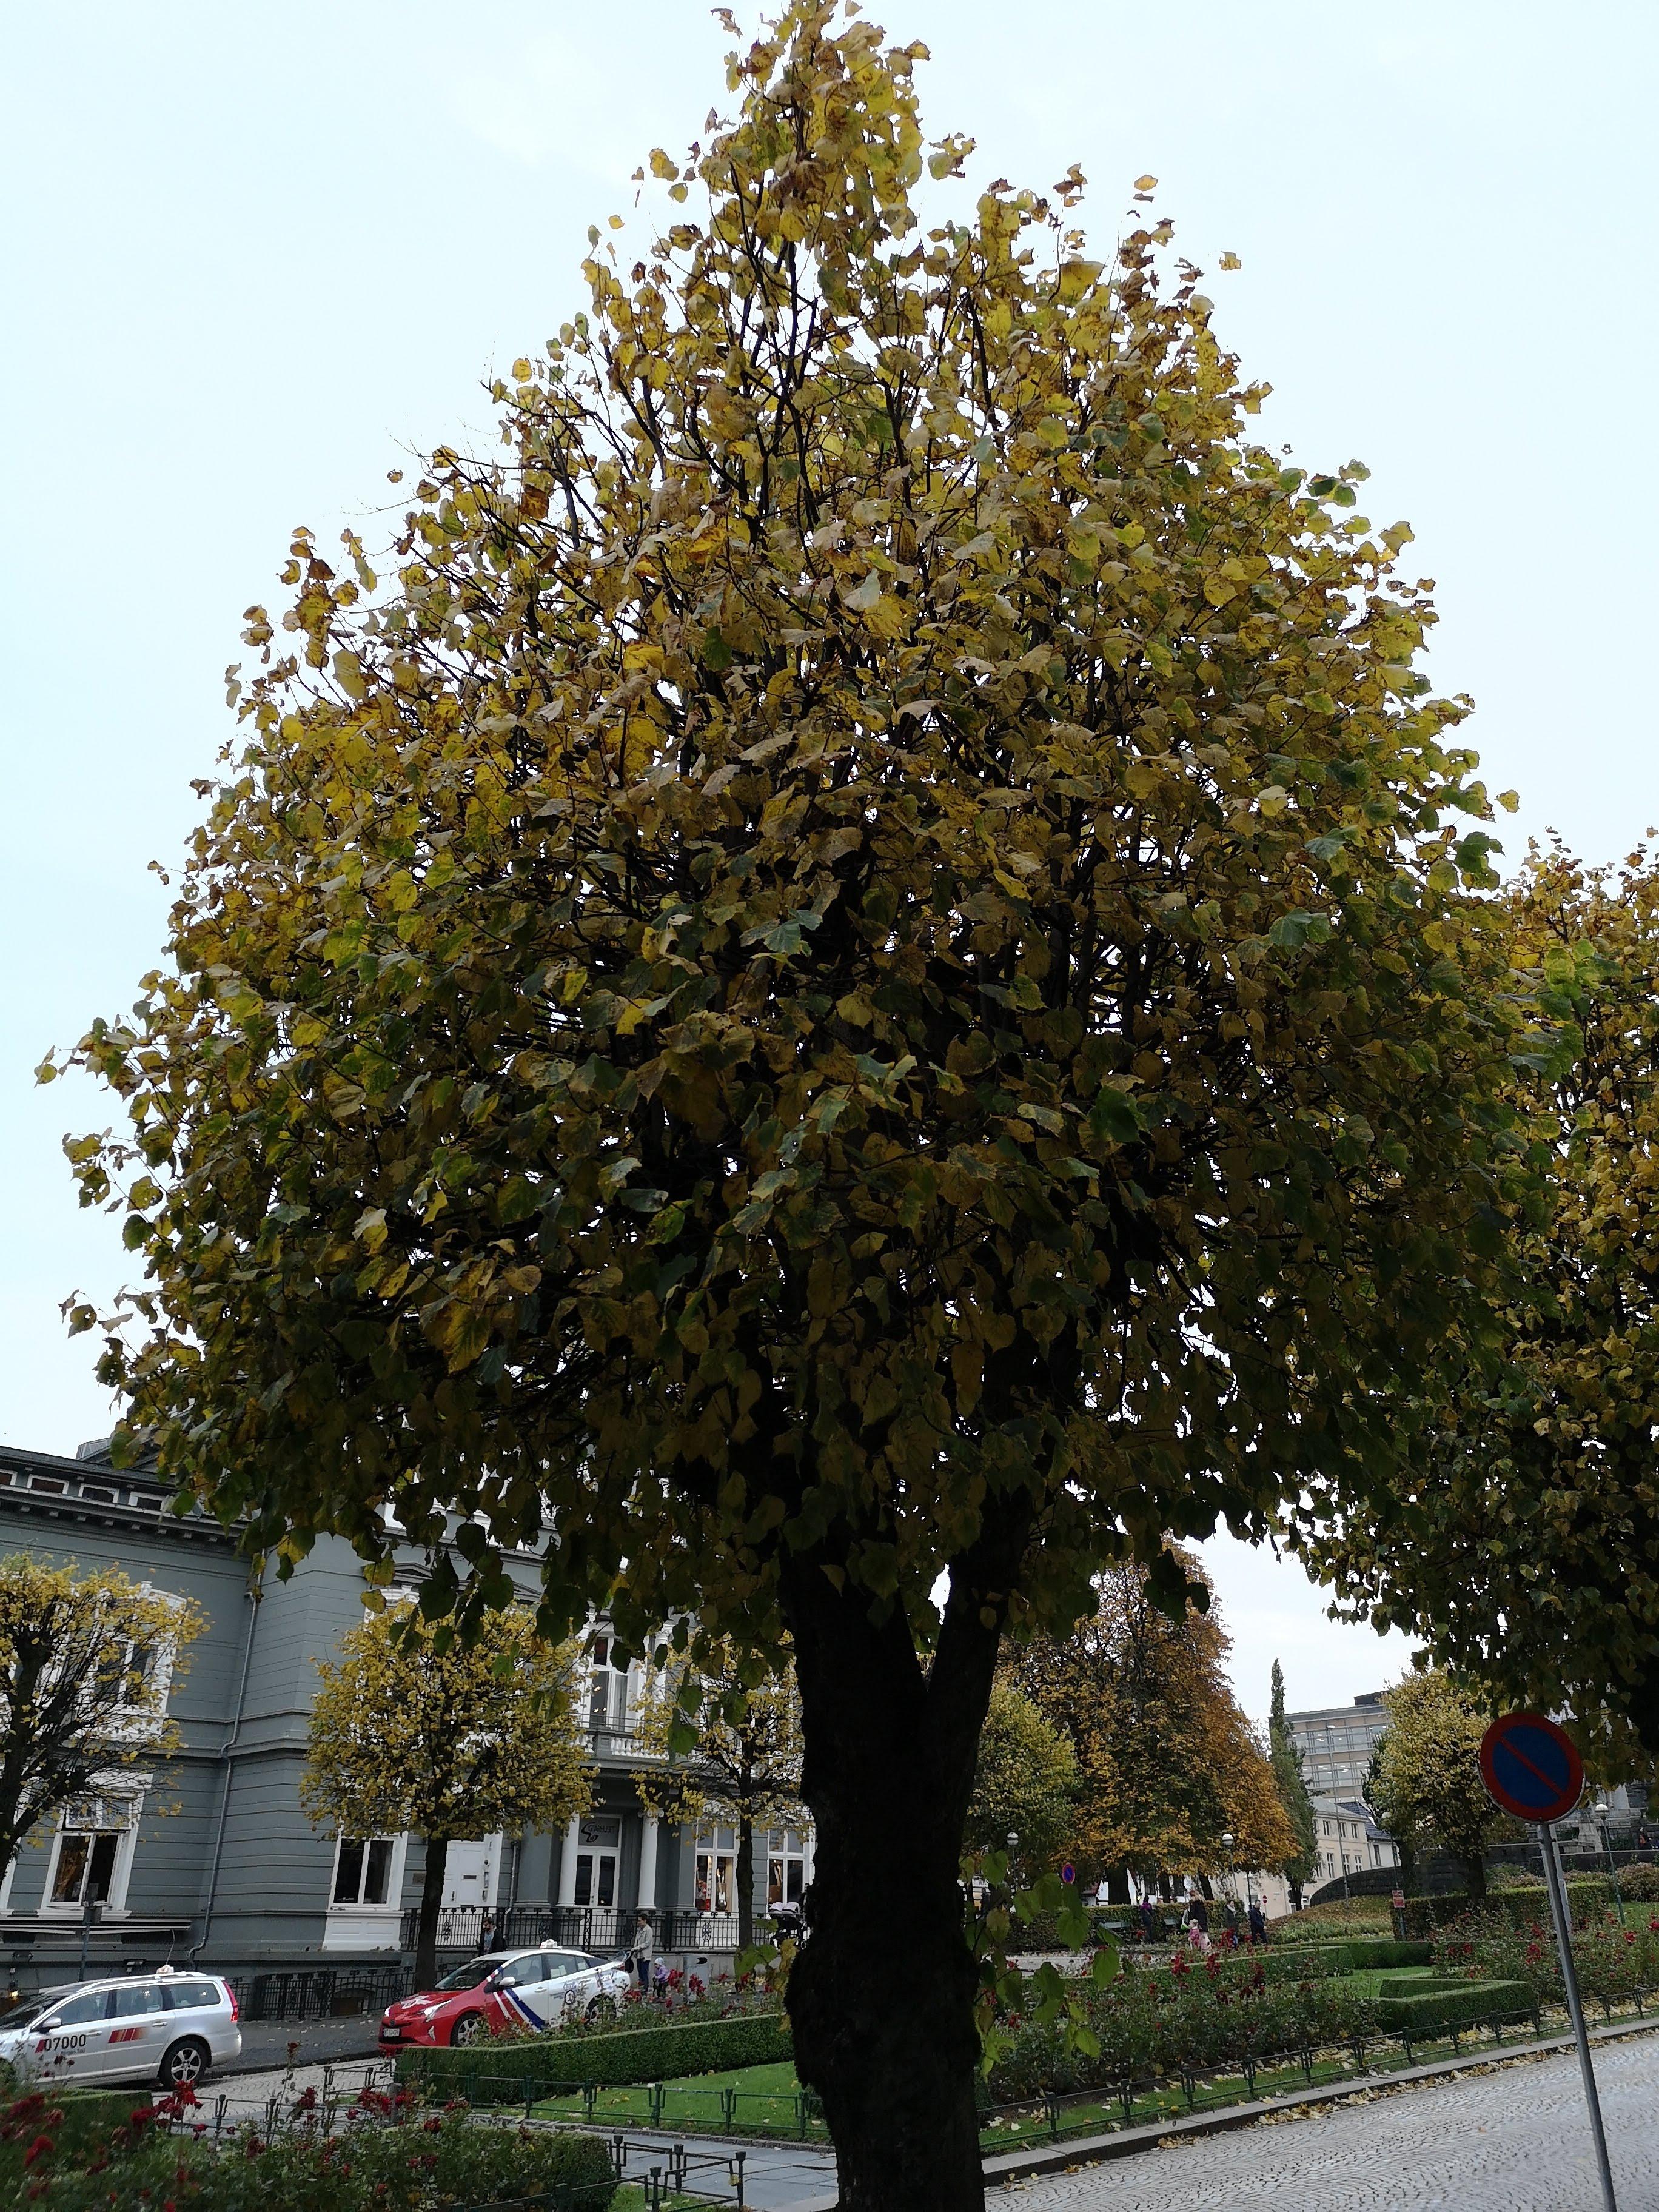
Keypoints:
(366, 1927)
(88, 1814)
(394, 1875)
(777, 1847)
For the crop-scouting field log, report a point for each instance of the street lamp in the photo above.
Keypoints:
(1603, 1812)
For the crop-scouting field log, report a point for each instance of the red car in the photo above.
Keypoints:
(520, 1988)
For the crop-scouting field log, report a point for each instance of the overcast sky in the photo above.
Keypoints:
(254, 255)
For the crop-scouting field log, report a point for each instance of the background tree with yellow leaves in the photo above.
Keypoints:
(87, 1663)
(858, 969)
(1167, 1762)
(728, 1732)
(1025, 1784)
(415, 1728)
(1425, 1784)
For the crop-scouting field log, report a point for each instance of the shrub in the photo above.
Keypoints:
(1586, 1893)
(1640, 1884)
(371, 2166)
(41, 2128)
(1613, 1962)
(504, 2072)
(1191, 2015)
(1453, 2004)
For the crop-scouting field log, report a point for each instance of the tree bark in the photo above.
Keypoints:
(432, 1896)
(1475, 1874)
(881, 1993)
(745, 1878)
(1117, 1885)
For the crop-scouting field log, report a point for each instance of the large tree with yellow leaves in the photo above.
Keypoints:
(860, 970)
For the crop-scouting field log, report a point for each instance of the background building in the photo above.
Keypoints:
(1336, 1742)
(209, 1855)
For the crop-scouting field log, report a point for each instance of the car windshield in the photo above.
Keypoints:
(19, 2015)
(468, 1976)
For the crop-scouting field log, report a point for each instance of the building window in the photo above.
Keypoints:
(717, 1870)
(364, 1868)
(789, 1866)
(607, 1690)
(92, 1855)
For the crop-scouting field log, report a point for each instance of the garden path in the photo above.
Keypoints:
(1514, 2139)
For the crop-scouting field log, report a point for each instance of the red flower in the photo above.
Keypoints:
(41, 2148)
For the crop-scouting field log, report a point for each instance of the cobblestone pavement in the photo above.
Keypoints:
(1514, 2140)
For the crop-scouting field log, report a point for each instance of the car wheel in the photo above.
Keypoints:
(592, 2012)
(467, 2029)
(185, 2064)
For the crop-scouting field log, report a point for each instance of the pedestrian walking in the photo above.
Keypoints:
(1258, 1925)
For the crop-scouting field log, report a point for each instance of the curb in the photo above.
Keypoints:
(1126, 2142)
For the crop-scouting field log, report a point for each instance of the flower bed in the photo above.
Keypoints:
(1613, 1961)
(1191, 2015)
(385, 2158)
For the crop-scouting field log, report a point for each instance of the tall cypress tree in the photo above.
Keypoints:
(1292, 1790)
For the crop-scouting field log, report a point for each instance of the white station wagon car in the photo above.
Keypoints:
(168, 2027)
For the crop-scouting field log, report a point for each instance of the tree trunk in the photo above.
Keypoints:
(1474, 1875)
(745, 1877)
(881, 1993)
(432, 1896)
(1117, 1885)
(1407, 1867)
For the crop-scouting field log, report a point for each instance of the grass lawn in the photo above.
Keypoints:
(749, 2100)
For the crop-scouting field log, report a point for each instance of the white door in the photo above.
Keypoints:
(136, 2032)
(470, 1873)
(70, 2044)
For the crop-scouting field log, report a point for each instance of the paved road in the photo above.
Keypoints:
(1513, 2140)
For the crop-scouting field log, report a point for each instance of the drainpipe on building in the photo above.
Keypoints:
(196, 1948)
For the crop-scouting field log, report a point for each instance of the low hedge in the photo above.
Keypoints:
(1353, 1954)
(1454, 2005)
(1587, 1894)
(502, 2072)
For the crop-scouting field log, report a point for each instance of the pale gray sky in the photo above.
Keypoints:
(252, 253)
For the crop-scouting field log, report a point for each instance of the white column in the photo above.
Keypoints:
(648, 1863)
(573, 1836)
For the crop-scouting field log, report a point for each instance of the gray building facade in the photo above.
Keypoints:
(209, 1855)
(1336, 1743)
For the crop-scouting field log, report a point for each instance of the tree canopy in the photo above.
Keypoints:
(1025, 1784)
(860, 968)
(413, 1727)
(86, 1664)
(1426, 1786)
(1522, 1544)
(1291, 1784)
(729, 1738)
(1167, 1762)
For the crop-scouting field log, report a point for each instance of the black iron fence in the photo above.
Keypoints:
(463, 1930)
(319, 1992)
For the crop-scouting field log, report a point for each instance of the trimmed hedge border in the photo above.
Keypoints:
(1455, 2007)
(1353, 1954)
(505, 2073)
(1585, 1893)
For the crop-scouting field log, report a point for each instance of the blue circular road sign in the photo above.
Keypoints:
(1531, 1767)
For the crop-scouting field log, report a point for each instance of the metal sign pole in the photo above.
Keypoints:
(1558, 1890)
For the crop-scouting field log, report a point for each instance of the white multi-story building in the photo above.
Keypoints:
(1336, 1743)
